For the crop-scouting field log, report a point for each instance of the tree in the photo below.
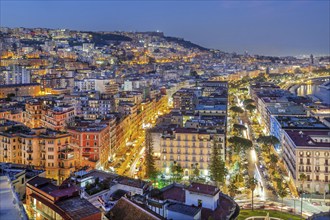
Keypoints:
(236, 109)
(9, 96)
(232, 189)
(282, 193)
(240, 144)
(176, 171)
(239, 127)
(252, 184)
(16, 90)
(218, 169)
(196, 171)
(268, 140)
(151, 171)
(248, 101)
(250, 107)
(302, 178)
(273, 160)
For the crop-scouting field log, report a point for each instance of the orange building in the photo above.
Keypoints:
(42, 148)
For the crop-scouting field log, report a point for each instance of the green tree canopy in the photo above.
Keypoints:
(239, 127)
(151, 171)
(248, 101)
(250, 107)
(237, 109)
(240, 144)
(176, 171)
(268, 140)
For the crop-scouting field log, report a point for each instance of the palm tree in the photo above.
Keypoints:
(302, 178)
(282, 193)
(232, 189)
(16, 90)
(252, 183)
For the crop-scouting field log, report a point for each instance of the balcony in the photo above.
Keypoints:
(42, 143)
(29, 150)
(43, 158)
(29, 158)
(29, 144)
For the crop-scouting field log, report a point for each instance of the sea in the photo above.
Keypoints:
(314, 89)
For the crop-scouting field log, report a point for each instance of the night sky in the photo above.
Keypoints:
(259, 27)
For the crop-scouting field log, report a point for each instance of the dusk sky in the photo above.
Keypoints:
(259, 27)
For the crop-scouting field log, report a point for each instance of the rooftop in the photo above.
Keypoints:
(184, 209)
(310, 139)
(131, 182)
(286, 109)
(125, 209)
(293, 122)
(78, 208)
(203, 189)
(172, 192)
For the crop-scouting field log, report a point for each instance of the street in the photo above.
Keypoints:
(265, 196)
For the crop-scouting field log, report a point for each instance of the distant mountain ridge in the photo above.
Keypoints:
(185, 43)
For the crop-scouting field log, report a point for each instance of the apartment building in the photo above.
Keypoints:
(92, 138)
(307, 152)
(187, 135)
(32, 114)
(57, 118)
(187, 146)
(40, 147)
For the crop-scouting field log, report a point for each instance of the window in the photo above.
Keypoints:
(200, 203)
(50, 157)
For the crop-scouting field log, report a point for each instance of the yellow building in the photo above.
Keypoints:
(188, 147)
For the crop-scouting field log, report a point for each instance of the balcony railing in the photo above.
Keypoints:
(29, 150)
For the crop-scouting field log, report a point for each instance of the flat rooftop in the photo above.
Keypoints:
(78, 208)
(293, 122)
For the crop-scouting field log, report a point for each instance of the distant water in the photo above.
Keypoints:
(315, 90)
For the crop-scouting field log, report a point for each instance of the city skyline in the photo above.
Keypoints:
(258, 27)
